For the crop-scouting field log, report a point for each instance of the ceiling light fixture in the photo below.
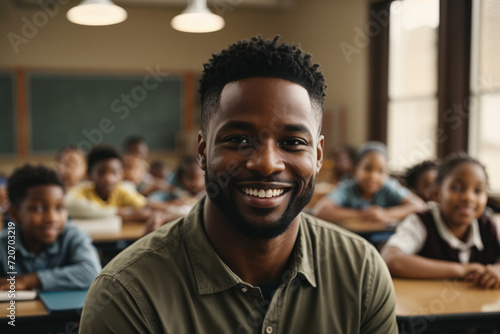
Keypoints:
(197, 18)
(96, 13)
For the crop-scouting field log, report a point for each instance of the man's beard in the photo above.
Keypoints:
(228, 207)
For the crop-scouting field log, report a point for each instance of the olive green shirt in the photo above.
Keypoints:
(172, 281)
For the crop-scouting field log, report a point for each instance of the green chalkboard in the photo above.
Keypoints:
(88, 110)
(7, 126)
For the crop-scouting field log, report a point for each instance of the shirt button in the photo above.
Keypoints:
(269, 330)
(243, 289)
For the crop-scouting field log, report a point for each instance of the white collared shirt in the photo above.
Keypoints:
(411, 234)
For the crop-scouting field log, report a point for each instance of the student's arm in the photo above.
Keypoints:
(415, 266)
(82, 267)
(23, 282)
(140, 214)
(489, 279)
(327, 210)
(410, 204)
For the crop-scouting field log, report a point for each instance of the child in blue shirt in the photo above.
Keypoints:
(371, 195)
(50, 253)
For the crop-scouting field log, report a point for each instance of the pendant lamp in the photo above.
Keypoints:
(197, 18)
(96, 13)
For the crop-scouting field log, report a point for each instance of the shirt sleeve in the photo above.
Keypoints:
(379, 302)
(394, 193)
(340, 194)
(131, 199)
(410, 235)
(110, 308)
(82, 267)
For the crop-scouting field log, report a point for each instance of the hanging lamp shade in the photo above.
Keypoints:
(197, 18)
(96, 13)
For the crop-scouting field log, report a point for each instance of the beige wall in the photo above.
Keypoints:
(146, 38)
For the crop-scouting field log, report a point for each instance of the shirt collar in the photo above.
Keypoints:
(473, 239)
(213, 275)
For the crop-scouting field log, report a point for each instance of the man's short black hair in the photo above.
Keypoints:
(29, 176)
(131, 141)
(100, 153)
(259, 58)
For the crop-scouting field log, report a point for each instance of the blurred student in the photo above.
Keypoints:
(420, 178)
(371, 195)
(105, 170)
(452, 239)
(188, 188)
(188, 182)
(136, 145)
(51, 253)
(70, 163)
(343, 162)
(4, 200)
(136, 177)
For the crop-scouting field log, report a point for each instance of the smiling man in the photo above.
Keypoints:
(245, 260)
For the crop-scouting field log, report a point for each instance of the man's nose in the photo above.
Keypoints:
(267, 159)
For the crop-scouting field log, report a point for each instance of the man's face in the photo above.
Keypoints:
(261, 155)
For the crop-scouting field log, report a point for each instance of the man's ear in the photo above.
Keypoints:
(319, 152)
(201, 151)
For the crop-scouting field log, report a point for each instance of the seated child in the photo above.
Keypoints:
(420, 178)
(70, 163)
(371, 195)
(343, 162)
(189, 183)
(453, 238)
(4, 201)
(51, 253)
(105, 171)
(136, 145)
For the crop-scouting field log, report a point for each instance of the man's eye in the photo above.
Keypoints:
(292, 142)
(238, 140)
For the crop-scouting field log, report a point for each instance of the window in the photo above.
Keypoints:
(485, 86)
(412, 110)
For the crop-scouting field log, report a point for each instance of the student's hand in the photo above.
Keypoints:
(375, 214)
(23, 282)
(471, 272)
(490, 278)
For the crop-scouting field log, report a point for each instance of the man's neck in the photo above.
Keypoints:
(254, 261)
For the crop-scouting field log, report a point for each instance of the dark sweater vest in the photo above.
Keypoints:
(436, 248)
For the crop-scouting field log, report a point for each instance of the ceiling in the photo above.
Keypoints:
(180, 3)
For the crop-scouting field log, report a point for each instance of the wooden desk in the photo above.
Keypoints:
(362, 227)
(444, 304)
(131, 231)
(26, 308)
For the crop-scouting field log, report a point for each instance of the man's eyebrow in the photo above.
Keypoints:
(297, 128)
(237, 125)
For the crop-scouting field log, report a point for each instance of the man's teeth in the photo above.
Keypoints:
(263, 192)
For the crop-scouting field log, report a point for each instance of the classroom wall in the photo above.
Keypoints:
(146, 39)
